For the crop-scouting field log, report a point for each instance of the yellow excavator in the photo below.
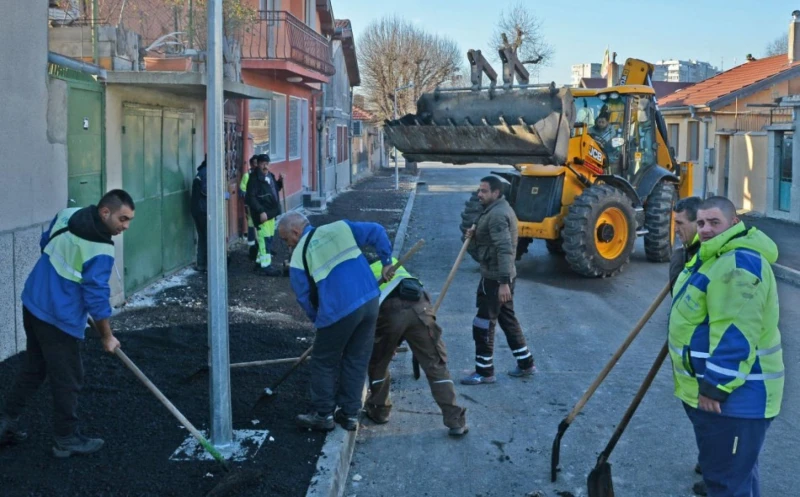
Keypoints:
(593, 167)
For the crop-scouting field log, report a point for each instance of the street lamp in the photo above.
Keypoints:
(396, 171)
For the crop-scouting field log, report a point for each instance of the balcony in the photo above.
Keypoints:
(280, 41)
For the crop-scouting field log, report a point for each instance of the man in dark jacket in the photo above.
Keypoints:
(262, 199)
(685, 212)
(68, 284)
(199, 209)
(494, 244)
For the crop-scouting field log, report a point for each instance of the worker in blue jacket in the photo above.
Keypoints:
(336, 288)
(69, 283)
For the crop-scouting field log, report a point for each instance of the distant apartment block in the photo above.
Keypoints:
(683, 71)
(580, 71)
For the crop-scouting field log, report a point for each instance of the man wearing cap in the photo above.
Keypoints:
(251, 229)
(262, 199)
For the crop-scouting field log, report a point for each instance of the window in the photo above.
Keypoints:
(342, 148)
(784, 146)
(674, 137)
(260, 111)
(310, 13)
(278, 129)
(694, 141)
(294, 128)
(270, 4)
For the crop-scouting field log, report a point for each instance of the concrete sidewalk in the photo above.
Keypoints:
(787, 236)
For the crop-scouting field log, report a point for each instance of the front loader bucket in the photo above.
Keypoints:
(519, 126)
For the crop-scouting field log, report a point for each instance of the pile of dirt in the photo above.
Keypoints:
(140, 433)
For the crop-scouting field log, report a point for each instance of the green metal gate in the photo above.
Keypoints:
(85, 136)
(157, 170)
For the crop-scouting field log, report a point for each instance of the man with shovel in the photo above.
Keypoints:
(726, 347)
(494, 245)
(406, 313)
(68, 284)
(335, 287)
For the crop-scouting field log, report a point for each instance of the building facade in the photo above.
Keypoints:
(683, 71)
(580, 71)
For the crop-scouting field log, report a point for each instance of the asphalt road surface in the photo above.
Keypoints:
(573, 325)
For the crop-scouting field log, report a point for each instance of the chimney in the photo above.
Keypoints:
(794, 37)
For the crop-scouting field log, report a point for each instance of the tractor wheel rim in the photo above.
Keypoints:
(613, 248)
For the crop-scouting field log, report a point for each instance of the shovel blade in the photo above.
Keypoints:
(600, 483)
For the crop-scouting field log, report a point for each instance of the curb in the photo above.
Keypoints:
(787, 274)
(400, 236)
(333, 466)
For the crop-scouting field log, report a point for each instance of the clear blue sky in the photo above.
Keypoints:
(715, 31)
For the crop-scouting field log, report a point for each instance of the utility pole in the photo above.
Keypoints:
(396, 170)
(219, 356)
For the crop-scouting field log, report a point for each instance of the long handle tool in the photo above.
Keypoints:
(440, 298)
(600, 482)
(565, 423)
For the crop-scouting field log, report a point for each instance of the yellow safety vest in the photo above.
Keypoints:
(387, 287)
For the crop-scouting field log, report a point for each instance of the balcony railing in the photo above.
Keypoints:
(752, 121)
(278, 35)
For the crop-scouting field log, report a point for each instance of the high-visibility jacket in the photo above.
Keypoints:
(243, 183)
(388, 287)
(70, 280)
(339, 269)
(723, 327)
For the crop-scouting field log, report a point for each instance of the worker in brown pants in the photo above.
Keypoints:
(406, 313)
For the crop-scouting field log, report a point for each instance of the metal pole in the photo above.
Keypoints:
(95, 37)
(396, 171)
(219, 358)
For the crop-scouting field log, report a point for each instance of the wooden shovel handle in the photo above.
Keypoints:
(452, 273)
(621, 350)
(172, 409)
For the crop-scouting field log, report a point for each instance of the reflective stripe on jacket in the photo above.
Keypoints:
(343, 277)
(70, 280)
(388, 287)
(723, 329)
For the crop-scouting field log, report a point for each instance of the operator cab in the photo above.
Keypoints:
(622, 121)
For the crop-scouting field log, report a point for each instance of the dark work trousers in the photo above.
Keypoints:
(340, 359)
(729, 449)
(491, 312)
(415, 322)
(202, 241)
(51, 354)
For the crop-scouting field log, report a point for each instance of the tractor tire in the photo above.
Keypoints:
(599, 232)
(555, 247)
(659, 240)
(472, 209)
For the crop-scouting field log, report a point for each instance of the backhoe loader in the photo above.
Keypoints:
(594, 169)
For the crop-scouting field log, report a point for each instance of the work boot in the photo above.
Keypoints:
(477, 379)
(76, 444)
(10, 433)
(378, 415)
(699, 488)
(518, 372)
(252, 253)
(349, 423)
(458, 431)
(272, 271)
(315, 421)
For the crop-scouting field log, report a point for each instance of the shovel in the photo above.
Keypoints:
(565, 423)
(232, 480)
(600, 482)
(461, 253)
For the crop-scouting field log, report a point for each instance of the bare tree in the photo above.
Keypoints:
(521, 30)
(393, 52)
(778, 46)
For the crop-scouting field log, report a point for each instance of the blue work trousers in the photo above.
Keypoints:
(729, 449)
